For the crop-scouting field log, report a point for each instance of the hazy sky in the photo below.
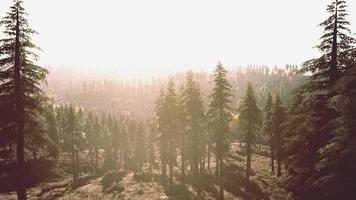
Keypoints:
(163, 36)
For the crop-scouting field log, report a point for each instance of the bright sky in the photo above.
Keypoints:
(164, 36)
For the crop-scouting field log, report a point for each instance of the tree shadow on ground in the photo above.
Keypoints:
(239, 186)
(175, 191)
(178, 191)
(36, 171)
(234, 183)
(111, 179)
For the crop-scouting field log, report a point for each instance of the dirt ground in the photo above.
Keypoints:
(263, 186)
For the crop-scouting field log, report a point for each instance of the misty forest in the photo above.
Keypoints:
(251, 132)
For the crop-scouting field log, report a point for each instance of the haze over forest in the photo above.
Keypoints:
(177, 100)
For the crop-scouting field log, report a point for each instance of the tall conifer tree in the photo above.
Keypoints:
(194, 112)
(182, 121)
(52, 132)
(151, 138)
(72, 129)
(171, 107)
(336, 38)
(268, 128)
(140, 146)
(21, 78)
(278, 119)
(314, 147)
(250, 121)
(162, 129)
(90, 139)
(219, 115)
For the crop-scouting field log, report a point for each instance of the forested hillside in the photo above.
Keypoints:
(138, 96)
(251, 132)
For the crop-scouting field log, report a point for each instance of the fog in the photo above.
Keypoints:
(156, 37)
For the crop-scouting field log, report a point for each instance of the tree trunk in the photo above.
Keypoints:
(171, 174)
(209, 157)
(20, 122)
(115, 157)
(196, 176)
(272, 156)
(73, 164)
(196, 159)
(183, 160)
(217, 168)
(279, 173)
(77, 164)
(152, 158)
(248, 164)
(175, 157)
(164, 172)
(221, 162)
(333, 64)
(96, 159)
(202, 167)
(91, 160)
(171, 163)
(260, 147)
(278, 144)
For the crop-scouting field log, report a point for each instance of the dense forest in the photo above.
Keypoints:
(251, 132)
(108, 94)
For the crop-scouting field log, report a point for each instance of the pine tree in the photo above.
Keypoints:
(124, 145)
(151, 145)
(132, 128)
(22, 78)
(219, 115)
(52, 132)
(210, 141)
(35, 137)
(72, 129)
(115, 132)
(194, 112)
(310, 137)
(90, 139)
(183, 133)
(108, 142)
(335, 40)
(97, 140)
(250, 121)
(278, 119)
(337, 162)
(171, 107)
(140, 146)
(162, 128)
(268, 128)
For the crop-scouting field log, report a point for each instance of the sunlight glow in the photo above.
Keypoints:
(161, 37)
